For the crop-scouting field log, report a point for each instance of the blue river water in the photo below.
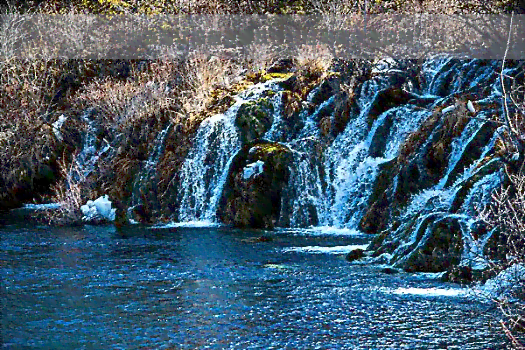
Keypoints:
(220, 288)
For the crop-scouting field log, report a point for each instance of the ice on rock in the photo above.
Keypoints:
(470, 107)
(58, 125)
(252, 169)
(448, 109)
(101, 207)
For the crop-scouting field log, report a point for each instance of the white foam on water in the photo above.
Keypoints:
(323, 231)
(430, 292)
(42, 206)
(188, 224)
(342, 249)
(505, 284)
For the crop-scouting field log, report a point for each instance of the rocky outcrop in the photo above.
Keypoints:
(254, 119)
(252, 196)
(438, 246)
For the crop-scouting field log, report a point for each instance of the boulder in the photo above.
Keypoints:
(254, 119)
(355, 254)
(438, 247)
(252, 195)
(389, 270)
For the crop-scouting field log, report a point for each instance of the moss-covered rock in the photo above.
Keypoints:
(252, 195)
(378, 213)
(438, 246)
(254, 119)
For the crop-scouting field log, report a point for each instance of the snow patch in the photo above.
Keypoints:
(100, 207)
(448, 109)
(58, 125)
(253, 169)
(470, 106)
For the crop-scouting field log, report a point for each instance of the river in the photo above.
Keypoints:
(195, 288)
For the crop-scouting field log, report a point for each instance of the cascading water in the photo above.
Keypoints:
(331, 184)
(204, 172)
(440, 202)
(333, 188)
(146, 176)
(91, 151)
(303, 195)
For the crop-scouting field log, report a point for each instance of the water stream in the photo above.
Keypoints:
(96, 288)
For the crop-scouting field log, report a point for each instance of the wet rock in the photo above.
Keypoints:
(140, 213)
(385, 100)
(290, 83)
(325, 91)
(355, 254)
(254, 119)
(378, 213)
(438, 246)
(459, 274)
(493, 166)
(473, 150)
(260, 239)
(389, 270)
(255, 201)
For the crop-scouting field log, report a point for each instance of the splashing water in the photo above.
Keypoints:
(205, 170)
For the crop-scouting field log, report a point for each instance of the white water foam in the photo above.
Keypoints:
(188, 224)
(323, 231)
(429, 292)
(44, 206)
(343, 249)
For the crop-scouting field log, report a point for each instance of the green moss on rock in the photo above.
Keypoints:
(254, 119)
(255, 201)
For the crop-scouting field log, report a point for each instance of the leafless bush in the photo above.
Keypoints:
(506, 212)
(68, 193)
(123, 102)
(11, 33)
(314, 60)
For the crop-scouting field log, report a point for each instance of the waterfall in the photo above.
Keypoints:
(331, 180)
(332, 186)
(92, 149)
(303, 195)
(205, 169)
(146, 176)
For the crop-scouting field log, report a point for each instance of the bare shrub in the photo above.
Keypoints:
(505, 214)
(27, 140)
(68, 193)
(314, 60)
